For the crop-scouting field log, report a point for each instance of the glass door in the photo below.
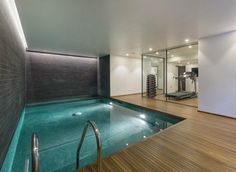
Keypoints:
(171, 75)
(182, 75)
(153, 85)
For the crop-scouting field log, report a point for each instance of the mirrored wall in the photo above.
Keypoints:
(154, 79)
(171, 75)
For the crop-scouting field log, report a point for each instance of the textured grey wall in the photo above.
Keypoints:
(52, 76)
(104, 76)
(12, 79)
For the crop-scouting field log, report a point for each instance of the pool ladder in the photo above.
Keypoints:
(35, 148)
(35, 153)
(99, 145)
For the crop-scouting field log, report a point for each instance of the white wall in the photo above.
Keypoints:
(217, 74)
(150, 65)
(125, 75)
(189, 83)
(147, 69)
(172, 83)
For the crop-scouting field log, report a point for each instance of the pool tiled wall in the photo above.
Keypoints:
(52, 76)
(104, 76)
(12, 79)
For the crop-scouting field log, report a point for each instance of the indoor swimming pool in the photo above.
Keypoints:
(59, 126)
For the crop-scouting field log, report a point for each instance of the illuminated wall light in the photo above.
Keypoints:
(150, 49)
(127, 54)
(127, 144)
(78, 113)
(143, 122)
(111, 103)
(190, 46)
(142, 116)
(144, 137)
(157, 123)
(157, 52)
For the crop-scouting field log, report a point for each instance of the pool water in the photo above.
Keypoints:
(59, 131)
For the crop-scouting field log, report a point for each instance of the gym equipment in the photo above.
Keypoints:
(184, 94)
(151, 86)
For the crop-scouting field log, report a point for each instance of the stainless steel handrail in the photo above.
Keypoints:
(35, 153)
(99, 145)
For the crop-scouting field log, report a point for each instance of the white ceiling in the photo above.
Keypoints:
(97, 27)
(184, 52)
(183, 55)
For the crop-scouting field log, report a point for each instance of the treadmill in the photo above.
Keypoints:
(184, 94)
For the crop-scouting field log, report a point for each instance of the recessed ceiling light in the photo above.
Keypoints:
(127, 54)
(157, 52)
(144, 137)
(187, 40)
(190, 46)
(150, 49)
(127, 144)
(111, 103)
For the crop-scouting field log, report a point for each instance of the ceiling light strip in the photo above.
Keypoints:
(11, 5)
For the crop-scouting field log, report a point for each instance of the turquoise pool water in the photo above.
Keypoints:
(59, 131)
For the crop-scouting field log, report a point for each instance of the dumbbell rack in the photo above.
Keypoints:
(151, 86)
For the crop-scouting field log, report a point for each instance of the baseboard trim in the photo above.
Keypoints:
(215, 114)
(132, 94)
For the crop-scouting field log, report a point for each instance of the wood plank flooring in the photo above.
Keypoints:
(202, 142)
(190, 101)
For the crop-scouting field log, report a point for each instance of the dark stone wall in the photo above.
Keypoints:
(51, 76)
(104, 76)
(12, 79)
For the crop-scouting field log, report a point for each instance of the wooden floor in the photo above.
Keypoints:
(202, 142)
(190, 102)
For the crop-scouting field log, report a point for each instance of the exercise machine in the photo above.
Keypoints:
(184, 94)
